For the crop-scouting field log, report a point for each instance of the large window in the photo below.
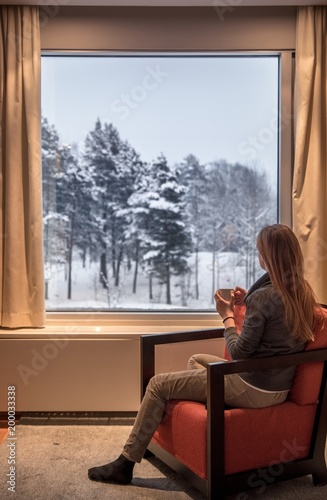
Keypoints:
(158, 172)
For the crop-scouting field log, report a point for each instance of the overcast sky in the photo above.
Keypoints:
(213, 107)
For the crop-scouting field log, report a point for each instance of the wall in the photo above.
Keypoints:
(97, 367)
(141, 28)
(83, 371)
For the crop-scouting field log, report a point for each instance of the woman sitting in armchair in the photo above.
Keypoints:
(281, 313)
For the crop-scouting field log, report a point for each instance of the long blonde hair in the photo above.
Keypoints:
(283, 259)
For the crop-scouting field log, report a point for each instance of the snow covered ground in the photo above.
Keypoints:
(88, 294)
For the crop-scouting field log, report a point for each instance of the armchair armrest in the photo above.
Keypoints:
(148, 343)
(218, 370)
(257, 364)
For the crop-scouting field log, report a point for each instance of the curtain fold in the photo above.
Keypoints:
(310, 176)
(21, 247)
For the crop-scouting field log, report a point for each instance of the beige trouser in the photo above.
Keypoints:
(237, 392)
(191, 385)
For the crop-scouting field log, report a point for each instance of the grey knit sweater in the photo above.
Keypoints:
(264, 334)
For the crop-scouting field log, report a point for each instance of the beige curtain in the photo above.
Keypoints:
(310, 177)
(21, 248)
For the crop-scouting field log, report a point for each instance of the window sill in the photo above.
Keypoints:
(115, 325)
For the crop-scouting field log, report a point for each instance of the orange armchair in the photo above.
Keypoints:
(222, 450)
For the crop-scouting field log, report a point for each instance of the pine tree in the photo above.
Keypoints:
(139, 216)
(129, 166)
(217, 213)
(74, 201)
(168, 240)
(193, 177)
(53, 247)
(102, 147)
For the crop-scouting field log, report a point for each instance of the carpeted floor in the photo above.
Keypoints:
(52, 463)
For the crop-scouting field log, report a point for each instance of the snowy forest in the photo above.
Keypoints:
(122, 233)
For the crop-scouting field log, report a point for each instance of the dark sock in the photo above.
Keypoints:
(119, 471)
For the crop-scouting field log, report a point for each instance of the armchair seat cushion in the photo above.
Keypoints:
(183, 433)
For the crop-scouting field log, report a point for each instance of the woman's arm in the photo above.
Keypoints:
(246, 344)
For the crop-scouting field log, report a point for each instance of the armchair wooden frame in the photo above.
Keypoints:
(217, 483)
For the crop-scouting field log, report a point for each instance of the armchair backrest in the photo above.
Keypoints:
(306, 384)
